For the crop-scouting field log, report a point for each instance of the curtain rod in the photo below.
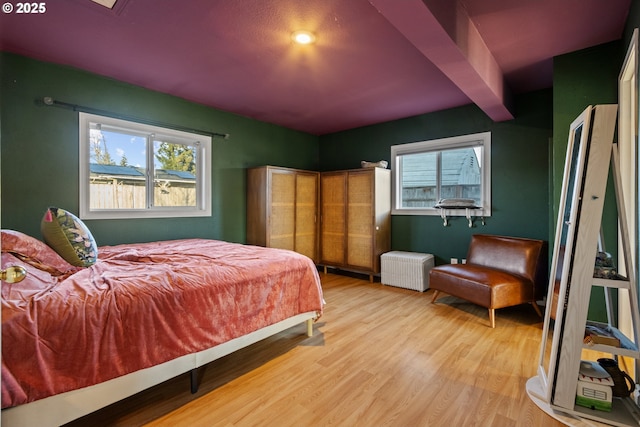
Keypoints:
(50, 102)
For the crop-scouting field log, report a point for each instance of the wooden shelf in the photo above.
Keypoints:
(627, 347)
(621, 283)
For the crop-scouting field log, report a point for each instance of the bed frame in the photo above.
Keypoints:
(63, 408)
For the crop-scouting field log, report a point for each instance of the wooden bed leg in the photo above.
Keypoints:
(492, 317)
(435, 295)
(309, 327)
(194, 381)
(536, 308)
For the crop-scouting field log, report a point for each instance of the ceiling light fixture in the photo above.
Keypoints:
(303, 37)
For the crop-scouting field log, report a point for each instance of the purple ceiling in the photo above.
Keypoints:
(373, 61)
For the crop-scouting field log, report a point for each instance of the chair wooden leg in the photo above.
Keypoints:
(536, 308)
(492, 317)
(435, 295)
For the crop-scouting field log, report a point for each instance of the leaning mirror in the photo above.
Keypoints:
(562, 256)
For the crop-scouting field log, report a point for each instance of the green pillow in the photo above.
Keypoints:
(69, 237)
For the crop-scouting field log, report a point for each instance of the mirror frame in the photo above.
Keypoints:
(628, 150)
(568, 210)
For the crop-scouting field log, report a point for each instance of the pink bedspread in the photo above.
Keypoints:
(141, 305)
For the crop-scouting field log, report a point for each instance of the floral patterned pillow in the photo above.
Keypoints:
(35, 253)
(69, 237)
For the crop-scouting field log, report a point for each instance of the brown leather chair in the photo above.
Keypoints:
(500, 272)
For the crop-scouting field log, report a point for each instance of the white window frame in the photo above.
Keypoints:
(472, 140)
(203, 170)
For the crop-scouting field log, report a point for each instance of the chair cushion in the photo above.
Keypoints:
(487, 287)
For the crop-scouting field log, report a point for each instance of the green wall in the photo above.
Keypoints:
(633, 21)
(39, 150)
(520, 171)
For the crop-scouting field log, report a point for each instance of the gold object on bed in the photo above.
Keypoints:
(13, 274)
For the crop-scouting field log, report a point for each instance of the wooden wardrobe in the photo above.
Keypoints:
(355, 224)
(282, 209)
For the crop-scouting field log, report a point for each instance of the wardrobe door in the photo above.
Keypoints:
(282, 210)
(360, 219)
(332, 232)
(306, 212)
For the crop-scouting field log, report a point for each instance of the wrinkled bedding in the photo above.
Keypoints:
(141, 305)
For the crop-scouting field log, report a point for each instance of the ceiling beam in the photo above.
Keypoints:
(443, 32)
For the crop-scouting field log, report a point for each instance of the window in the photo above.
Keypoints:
(134, 170)
(449, 168)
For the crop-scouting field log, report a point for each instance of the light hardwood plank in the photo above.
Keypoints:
(380, 356)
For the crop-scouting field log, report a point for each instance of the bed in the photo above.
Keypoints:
(76, 339)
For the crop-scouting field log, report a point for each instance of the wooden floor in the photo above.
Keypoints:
(380, 356)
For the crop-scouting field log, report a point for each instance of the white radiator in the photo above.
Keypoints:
(409, 270)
